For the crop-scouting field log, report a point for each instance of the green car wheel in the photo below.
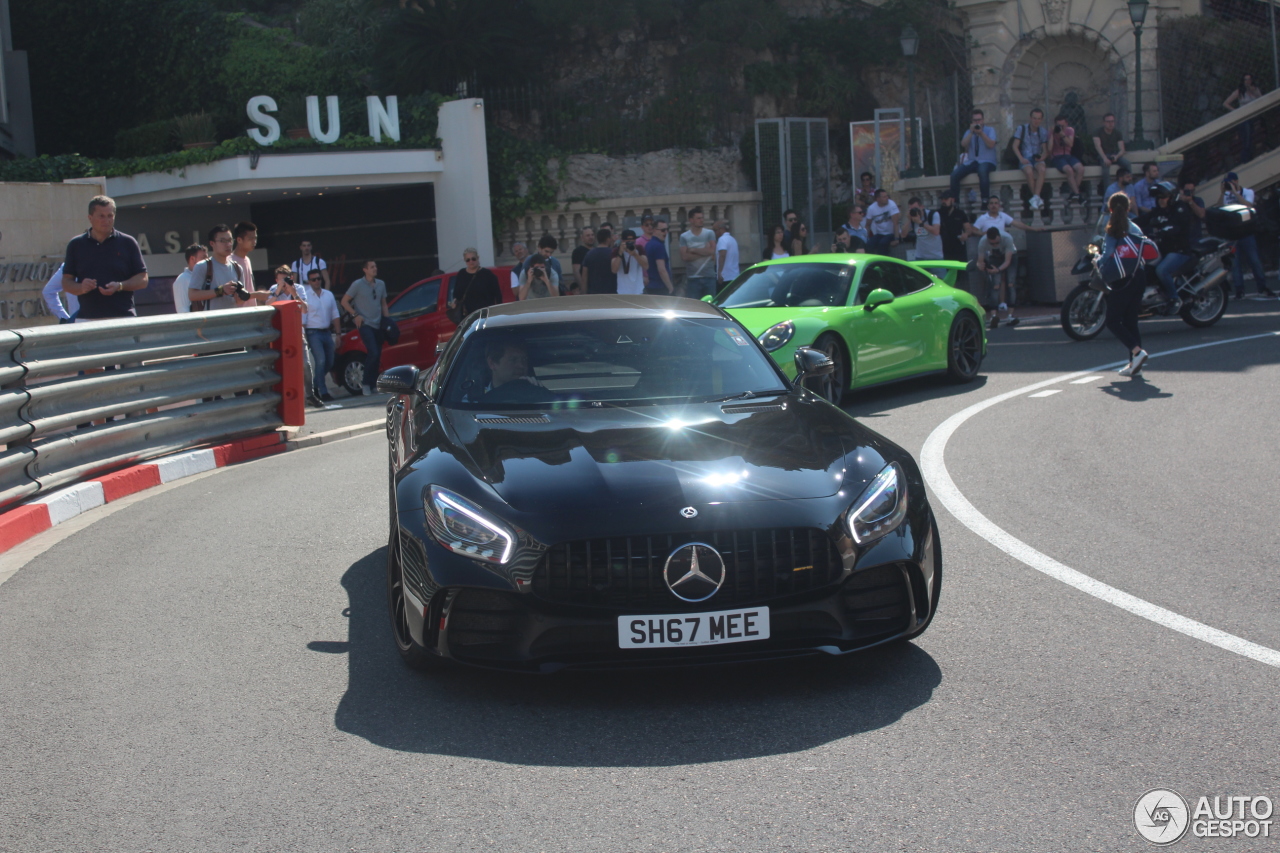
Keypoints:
(964, 349)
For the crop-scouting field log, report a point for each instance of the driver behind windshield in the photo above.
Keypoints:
(508, 361)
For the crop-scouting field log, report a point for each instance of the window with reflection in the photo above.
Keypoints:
(803, 285)
(618, 362)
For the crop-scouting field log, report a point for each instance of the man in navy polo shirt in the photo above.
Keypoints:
(103, 267)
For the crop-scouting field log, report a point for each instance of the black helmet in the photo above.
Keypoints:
(1164, 189)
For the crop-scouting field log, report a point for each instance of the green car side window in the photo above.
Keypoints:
(879, 276)
(913, 280)
(790, 285)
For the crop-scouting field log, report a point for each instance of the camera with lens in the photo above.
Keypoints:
(241, 293)
(631, 245)
(537, 272)
(288, 279)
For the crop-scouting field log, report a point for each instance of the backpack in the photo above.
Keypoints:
(1123, 264)
(1009, 159)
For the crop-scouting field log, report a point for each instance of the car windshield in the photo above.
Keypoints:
(615, 362)
(789, 286)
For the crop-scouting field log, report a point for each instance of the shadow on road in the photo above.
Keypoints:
(630, 719)
(1136, 390)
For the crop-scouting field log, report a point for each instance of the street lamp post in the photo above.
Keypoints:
(910, 42)
(1138, 14)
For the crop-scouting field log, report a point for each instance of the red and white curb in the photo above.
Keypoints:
(36, 516)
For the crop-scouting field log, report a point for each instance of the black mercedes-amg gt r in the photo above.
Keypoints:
(610, 481)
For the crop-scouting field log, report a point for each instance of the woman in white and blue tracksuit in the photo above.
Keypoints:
(1124, 299)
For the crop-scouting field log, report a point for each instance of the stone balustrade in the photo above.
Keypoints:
(740, 209)
(1011, 186)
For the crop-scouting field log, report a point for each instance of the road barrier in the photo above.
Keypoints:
(169, 383)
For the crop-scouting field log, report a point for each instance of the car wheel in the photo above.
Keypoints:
(833, 386)
(964, 348)
(349, 372)
(413, 654)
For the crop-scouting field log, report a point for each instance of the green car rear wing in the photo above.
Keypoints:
(952, 268)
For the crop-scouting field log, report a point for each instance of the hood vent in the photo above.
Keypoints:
(487, 420)
(746, 408)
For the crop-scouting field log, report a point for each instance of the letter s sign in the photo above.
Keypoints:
(255, 108)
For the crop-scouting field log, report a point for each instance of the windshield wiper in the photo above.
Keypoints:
(747, 395)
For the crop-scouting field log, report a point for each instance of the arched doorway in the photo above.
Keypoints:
(1080, 64)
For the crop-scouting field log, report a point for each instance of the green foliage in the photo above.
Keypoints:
(769, 78)
(196, 127)
(148, 139)
(518, 176)
(101, 65)
(450, 41)
(269, 61)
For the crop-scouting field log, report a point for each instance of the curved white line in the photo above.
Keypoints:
(934, 466)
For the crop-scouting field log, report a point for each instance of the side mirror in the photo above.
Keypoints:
(879, 296)
(399, 380)
(708, 298)
(812, 362)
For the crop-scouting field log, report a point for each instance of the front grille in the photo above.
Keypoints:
(626, 573)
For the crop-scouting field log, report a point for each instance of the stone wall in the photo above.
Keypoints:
(658, 173)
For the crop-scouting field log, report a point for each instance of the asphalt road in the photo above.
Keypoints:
(209, 666)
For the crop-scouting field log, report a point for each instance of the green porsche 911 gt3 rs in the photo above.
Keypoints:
(879, 319)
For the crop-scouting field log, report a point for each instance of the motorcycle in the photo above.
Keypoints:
(1202, 285)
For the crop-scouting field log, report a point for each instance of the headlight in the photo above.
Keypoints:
(465, 529)
(776, 337)
(881, 506)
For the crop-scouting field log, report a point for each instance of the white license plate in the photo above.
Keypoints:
(693, 629)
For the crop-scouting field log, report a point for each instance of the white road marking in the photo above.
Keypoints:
(1048, 393)
(1082, 380)
(933, 464)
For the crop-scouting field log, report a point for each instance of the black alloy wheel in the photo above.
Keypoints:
(964, 348)
(833, 386)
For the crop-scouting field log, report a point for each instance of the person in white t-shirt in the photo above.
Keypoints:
(629, 263)
(882, 220)
(195, 253)
(304, 265)
(53, 295)
(726, 253)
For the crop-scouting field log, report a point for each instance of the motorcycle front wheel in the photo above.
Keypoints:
(1084, 313)
(1206, 308)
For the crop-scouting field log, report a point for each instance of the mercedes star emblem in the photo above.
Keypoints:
(689, 512)
(694, 571)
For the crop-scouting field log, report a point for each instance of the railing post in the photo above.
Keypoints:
(293, 397)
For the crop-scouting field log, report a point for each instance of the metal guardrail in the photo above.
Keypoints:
(84, 398)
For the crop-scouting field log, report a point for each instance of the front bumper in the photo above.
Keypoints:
(859, 608)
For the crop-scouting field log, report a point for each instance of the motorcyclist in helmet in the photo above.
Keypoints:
(1169, 225)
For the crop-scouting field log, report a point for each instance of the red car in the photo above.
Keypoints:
(419, 311)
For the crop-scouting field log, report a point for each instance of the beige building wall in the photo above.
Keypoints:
(1026, 53)
(36, 222)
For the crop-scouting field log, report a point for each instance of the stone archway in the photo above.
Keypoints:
(1047, 68)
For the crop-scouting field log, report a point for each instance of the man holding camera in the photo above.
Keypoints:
(1246, 247)
(537, 281)
(217, 281)
(995, 255)
(628, 264)
(925, 228)
(1060, 145)
(980, 155)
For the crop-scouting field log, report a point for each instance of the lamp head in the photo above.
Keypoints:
(1138, 11)
(910, 40)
